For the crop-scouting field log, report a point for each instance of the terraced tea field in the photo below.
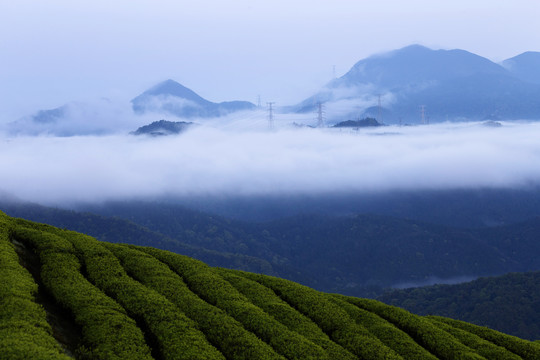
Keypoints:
(66, 295)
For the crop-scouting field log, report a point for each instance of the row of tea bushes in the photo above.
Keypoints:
(107, 331)
(24, 330)
(223, 331)
(207, 284)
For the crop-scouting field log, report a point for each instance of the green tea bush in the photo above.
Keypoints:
(526, 349)
(176, 335)
(223, 331)
(481, 346)
(272, 304)
(390, 335)
(206, 283)
(106, 328)
(333, 320)
(24, 330)
(423, 331)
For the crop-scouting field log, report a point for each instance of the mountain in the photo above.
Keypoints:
(172, 98)
(525, 66)
(416, 66)
(449, 84)
(514, 298)
(99, 117)
(66, 295)
(163, 127)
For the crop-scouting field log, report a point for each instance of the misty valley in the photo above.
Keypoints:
(393, 214)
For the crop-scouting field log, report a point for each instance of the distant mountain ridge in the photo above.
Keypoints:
(172, 98)
(449, 84)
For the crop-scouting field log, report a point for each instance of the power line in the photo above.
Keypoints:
(379, 111)
(270, 115)
(320, 115)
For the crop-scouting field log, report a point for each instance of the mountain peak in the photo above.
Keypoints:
(417, 64)
(525, 66)
(173, 88)
(414, 48)
(173, 98)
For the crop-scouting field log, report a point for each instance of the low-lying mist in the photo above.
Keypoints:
(209, 161)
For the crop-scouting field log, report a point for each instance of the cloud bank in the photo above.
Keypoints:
(96, 117)
(210, 161)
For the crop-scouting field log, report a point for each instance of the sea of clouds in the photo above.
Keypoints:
(211, 160)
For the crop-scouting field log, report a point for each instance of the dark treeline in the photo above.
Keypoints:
(509, 303)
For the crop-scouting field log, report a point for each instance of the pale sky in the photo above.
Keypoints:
(56, 51)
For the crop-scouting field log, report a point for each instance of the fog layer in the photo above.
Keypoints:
(209, 161)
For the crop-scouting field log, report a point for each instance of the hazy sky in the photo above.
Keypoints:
(56, 51)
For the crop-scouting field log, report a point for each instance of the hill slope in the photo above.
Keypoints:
(129, 302)
(509, 303)
(525, 66)
(354, 255)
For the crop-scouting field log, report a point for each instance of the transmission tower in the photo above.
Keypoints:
(270, 115)
(259, 101)
(423, 113)
(320, 115)
(379, 111)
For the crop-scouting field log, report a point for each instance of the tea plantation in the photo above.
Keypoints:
(65, 295)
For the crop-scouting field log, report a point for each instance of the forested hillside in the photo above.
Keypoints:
(354, 255)
(66, 295)
(509, 303)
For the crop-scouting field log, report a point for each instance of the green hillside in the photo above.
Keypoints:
(66, 295)
(508, 303)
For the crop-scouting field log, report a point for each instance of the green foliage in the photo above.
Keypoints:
(176, 335)
(127, 298)
(223, 331)
(211, 287)
(389, 334)
(24, 331)
(333, 320)
(420, 329)
(483, 347)
(526, 349)
(106, 328)
(267, 300)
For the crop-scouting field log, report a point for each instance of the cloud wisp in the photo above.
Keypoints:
(209, 161)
